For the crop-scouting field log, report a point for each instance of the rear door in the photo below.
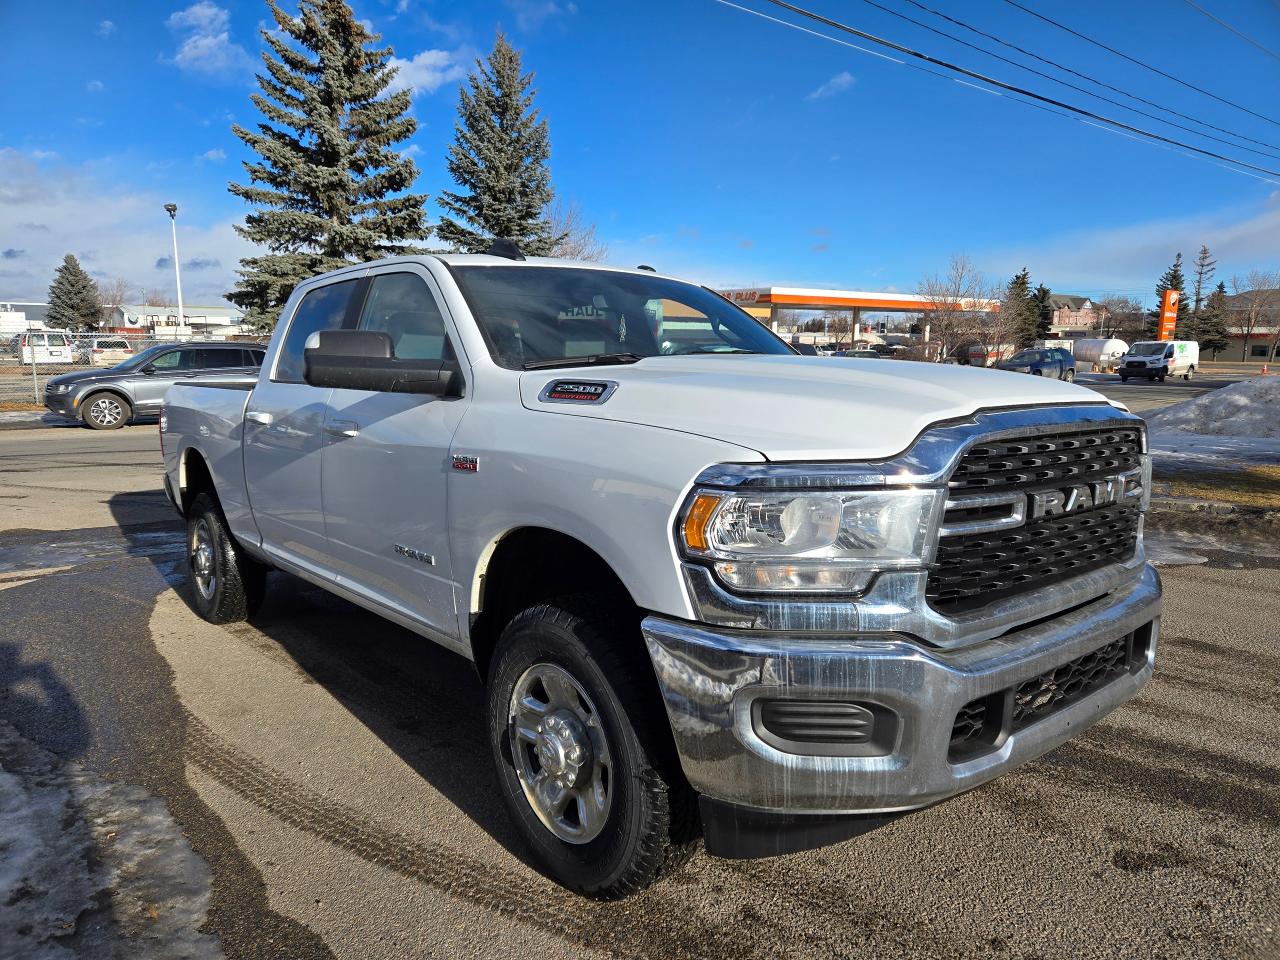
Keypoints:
(284, 436)
(386, 463)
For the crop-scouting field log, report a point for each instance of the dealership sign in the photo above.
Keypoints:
(1168, 314)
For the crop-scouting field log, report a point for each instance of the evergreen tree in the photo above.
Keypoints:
(1213, 321)
(499, 161)
(1171, 279)
(329, 186)
(1044, 312)
(1018, 311)
(74, 303)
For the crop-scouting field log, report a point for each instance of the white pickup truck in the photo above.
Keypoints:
(716, 590)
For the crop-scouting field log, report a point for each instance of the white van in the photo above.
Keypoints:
(1157, 359)
(43, 347)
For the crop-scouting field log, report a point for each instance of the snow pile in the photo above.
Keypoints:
(1250, 408)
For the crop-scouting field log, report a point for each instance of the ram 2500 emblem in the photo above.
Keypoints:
(1082, 496)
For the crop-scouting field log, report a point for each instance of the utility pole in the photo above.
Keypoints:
(172, 210)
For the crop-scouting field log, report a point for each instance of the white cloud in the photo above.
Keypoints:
(48, 210)
(1132, 257)
(838, 84)
(427, 71)
(402, 6)
(94, 86)
(213, 156)
(532, 13)
(206, 45)
(106, 28)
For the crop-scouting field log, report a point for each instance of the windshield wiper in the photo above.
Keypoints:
(591, 360)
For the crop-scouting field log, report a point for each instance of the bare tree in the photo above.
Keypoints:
(578, 240)
(114, 293)
(840, 328)
(1122, 318)
(1255, 303)
(155, 297)
(960, 309)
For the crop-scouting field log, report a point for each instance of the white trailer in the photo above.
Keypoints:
(1102, 355)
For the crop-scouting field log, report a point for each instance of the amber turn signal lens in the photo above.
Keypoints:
(695, 521)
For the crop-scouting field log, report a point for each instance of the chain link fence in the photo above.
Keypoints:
(29, 359)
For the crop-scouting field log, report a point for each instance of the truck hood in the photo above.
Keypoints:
(797, 408)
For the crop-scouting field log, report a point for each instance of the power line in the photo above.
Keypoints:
(1090, 79)
(1226, 26)
(1020, 91)
(1067, 83)
(1147, 66)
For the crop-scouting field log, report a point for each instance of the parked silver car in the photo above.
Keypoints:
(107, 399)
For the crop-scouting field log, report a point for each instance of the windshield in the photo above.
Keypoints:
(140, 359)
(1026, 356)
(1147, 349)
(535, 316)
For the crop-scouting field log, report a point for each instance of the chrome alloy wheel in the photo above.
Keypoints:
(106, 411)
(201, 558)
(560, 752)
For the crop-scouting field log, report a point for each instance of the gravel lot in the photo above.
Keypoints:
(330, 770)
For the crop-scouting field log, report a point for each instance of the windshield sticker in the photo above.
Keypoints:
(578, 391)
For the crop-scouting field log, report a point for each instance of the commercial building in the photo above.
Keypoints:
(162, 321)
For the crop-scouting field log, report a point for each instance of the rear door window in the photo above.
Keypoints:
(252, 358)
(322, 309)
(215, 359)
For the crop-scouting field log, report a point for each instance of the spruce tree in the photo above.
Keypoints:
(1171, 279)
(1018, 311)
(1213, 321)
(329, 186)
(1044, 312)
(74, 302)
(499, 161)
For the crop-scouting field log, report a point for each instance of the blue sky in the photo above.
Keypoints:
(700, 139)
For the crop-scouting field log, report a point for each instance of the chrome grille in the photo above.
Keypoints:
(1028, 462)
(973, 569)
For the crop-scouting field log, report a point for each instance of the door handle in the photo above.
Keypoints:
(257, 416)
(342, 428)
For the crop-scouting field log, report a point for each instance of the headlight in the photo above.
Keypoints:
(809, 542)
(61, 387)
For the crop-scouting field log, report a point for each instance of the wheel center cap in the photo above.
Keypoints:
(563, 747)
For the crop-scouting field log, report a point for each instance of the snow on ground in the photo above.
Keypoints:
(91, 868)
(1250, 408)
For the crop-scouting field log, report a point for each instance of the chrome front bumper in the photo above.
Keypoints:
(711, 676)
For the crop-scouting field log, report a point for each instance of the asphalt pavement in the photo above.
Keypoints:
(331, 771)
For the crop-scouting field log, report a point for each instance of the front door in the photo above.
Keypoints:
(386, 462)
(157, 377)
(284, 437)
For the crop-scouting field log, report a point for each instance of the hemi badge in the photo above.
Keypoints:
(467, 464)
(413, 554)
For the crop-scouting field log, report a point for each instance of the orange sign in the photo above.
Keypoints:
(1168, 314)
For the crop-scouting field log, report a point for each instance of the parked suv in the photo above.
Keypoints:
(103, 351)
(107, 399)
(1052, 362)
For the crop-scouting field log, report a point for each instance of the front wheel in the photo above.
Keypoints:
(583, 750)
(1191, 372)
(1161, 377)
(1123, 378)
(226, 585)
(106, 411)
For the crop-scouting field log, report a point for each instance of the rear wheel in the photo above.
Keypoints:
(1069, 376)
(1038, 373)
(106, 411)
(584, 752)
(227, 586)
(1191, 372)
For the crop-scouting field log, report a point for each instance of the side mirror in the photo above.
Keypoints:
(365, 360)
(149, 369)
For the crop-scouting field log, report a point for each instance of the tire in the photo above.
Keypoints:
(106, 411)
(1191, 373)
(1069, 375)
(629, 817)
(1123, 378)
(227, 586)
(1037, 373)
(1161, 377)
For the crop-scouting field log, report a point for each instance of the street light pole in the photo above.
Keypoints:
(172, 210)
